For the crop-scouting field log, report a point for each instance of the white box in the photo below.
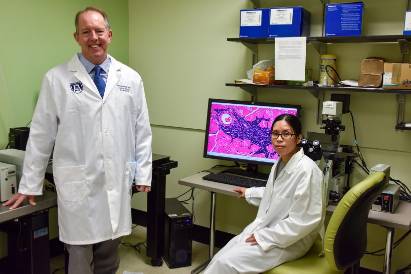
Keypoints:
(13, 157)
(332, 108)
(8, 185)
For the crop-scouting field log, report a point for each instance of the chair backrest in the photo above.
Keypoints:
(346, 235)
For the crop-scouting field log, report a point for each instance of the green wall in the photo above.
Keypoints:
(180, 49)
(36, 36)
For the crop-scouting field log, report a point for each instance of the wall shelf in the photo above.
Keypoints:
(332, 40)
(320, 44)
(402, 127)
(318, 92)
(348, 89)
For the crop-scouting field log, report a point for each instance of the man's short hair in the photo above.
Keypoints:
(102, 12)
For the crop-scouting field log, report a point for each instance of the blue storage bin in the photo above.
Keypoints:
(289, 22)
(344, 19)
(254, 23)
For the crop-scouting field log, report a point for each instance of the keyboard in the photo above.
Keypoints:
(235, 180)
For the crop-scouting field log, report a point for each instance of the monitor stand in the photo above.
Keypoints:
(250, 170)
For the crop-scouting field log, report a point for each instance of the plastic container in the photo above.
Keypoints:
(328, 70)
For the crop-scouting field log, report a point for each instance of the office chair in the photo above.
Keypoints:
(345, 238)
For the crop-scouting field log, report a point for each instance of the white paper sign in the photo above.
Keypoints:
(290, 55)
(251, 18)
(281, 16)
(407, 26)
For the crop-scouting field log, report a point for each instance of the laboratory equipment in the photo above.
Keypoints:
(8, 182)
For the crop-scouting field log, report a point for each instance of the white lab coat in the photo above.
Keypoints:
(100, 146)
(288, 220)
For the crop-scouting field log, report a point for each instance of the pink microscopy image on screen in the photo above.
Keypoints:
(243, 130)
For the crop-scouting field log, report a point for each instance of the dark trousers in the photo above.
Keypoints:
(99, 258)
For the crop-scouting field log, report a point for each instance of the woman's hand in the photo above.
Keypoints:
(251, 240)
(240, 191)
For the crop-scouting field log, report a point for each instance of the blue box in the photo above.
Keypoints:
(289, 22)
(343, 19)
(254, 23)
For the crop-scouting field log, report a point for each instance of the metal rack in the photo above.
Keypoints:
(320, 44)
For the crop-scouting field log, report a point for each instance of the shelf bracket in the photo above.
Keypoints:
(252, 91)
(319, 94)
(401, 124)
(256, 3)
(254, 50)
(324, 3)
(320, 47)
(401, 108)
(405, 50)
(401, 98)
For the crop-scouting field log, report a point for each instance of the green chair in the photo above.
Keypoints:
(345, 238)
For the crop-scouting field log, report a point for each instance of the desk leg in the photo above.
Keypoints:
(155, 217)
(212, 226)
(212, 236)
(388, 250)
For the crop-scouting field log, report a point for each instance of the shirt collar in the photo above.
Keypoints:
(293, 161)
(90, 66)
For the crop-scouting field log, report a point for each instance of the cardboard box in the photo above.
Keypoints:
(372, 66)
(343, 19)
(397, 76)
(371, 72)
(254, 23)
(370, 80)
(289, 22)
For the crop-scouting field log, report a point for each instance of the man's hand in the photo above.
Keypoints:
(251, 240)
(17, 199)
(142, 188)
(241, 191)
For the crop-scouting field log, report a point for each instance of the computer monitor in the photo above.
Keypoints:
(241, 131)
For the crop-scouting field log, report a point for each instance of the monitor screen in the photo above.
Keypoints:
(241, 131)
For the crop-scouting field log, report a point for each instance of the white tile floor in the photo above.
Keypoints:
(135, 261)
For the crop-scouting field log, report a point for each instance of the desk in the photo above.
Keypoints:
(155, 209)
(28, 237)
(46, 201)
(401, 219)
(197, 181)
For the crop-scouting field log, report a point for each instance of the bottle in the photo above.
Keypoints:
(328, 70)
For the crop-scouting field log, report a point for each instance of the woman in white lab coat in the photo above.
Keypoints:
(289, 216)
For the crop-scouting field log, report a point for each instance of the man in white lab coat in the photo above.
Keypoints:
(92, 111)
(290, 212)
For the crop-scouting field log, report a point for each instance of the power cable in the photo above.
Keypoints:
(186, 200)
(405, 192)
(396, 244)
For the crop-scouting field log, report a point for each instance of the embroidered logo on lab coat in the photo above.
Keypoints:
(124, 88)
(76, 87)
